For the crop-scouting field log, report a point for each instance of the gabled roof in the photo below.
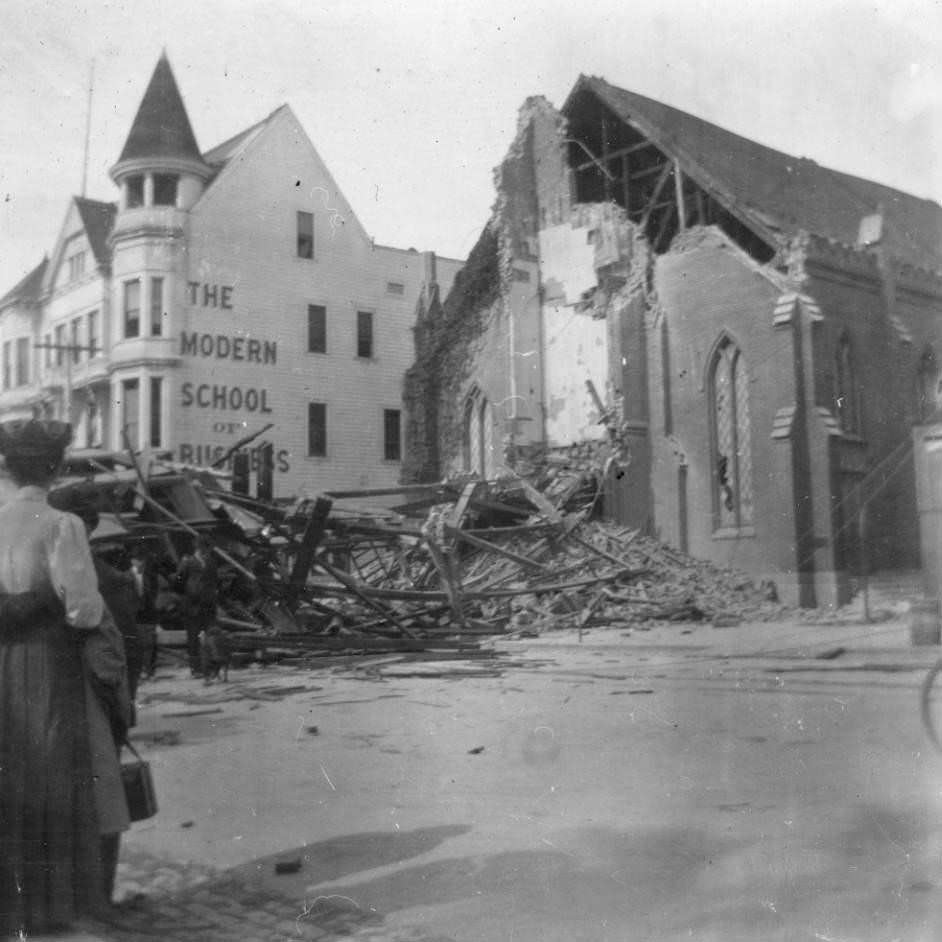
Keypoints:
(782, 193)
(27, 288)
(162, 127)
(98, 219)
(222, 153)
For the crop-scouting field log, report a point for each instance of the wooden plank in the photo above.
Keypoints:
(488, 504)
(526, 528)
(461, 508)
(390, 491)
(499, 550)
(612, 155)
(679, 191)
(357, 590)
(599, 552)
(541, 501)
(663, 227)
(313, 534)
(444, 563)
(661, 183)
(431, 596)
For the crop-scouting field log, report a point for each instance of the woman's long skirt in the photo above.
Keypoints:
(49, 871)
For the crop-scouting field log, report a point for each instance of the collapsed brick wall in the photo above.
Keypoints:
(443, 333)
(450, 339)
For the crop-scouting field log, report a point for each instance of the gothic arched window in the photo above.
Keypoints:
(732, 447)
(475, 433)
(846, 391)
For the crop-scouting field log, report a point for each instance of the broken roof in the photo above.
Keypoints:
(780, 193)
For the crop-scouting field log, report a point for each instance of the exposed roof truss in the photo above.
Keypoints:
(613, 161)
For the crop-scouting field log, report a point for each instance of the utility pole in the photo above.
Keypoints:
(88, 124)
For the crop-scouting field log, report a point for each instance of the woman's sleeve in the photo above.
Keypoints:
(73, 573)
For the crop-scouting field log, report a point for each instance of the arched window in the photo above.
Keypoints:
(477, 452)
(487, 453)
(846, 392)
(732, 446)
(473, 433)
(928, 386)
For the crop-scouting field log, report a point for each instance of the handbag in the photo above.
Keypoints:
(138, 787)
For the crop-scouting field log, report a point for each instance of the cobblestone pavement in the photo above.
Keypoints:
(187, 903)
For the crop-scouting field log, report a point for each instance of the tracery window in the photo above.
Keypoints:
(846, 392)
(476, 433)
(732, 451)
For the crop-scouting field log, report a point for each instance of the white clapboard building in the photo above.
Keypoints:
(223, 292)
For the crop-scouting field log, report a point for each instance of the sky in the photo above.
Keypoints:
(412, 103)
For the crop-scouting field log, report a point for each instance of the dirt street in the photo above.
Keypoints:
(684, 783)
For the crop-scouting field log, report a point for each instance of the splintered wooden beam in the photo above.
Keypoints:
(461, 507)
(313, 534)
(445, 564)
(679, 191)
(417, 595)
(599, 552)
(539, 499)
(614, 154)
(368, 598)
(665, 219)
(466, 537)
(656, 192)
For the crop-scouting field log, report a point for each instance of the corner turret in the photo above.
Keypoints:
(161, 164)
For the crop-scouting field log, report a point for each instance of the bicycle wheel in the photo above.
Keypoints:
(930, 705)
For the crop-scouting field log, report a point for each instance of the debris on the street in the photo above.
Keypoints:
(439, 572)
(288, 865)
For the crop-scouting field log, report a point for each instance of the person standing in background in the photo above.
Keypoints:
(198, 580)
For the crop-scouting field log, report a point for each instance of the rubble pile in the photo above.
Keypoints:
(445, 567)
(489, 558)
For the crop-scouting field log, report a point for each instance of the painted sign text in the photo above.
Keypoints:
(233, 398)
(210, 295)
(221, 347)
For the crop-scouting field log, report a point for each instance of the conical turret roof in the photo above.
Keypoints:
(161, 128)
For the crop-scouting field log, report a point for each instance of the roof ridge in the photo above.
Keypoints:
(235, 138)
(785, 192)
(27, 284)
(755, 143)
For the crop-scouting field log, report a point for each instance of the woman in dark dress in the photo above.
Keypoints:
(49, 866)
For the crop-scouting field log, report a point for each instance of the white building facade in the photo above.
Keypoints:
(223, 293)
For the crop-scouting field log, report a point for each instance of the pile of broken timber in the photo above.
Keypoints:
(488, 558)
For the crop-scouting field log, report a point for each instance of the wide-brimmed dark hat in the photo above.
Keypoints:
(32, 438)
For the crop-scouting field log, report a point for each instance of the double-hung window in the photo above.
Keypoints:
(316, 328)
(22, 361)
(156, 306)
(392, 434)
(132, 308)
(364, 334)
(317, 429)
(305, 240)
